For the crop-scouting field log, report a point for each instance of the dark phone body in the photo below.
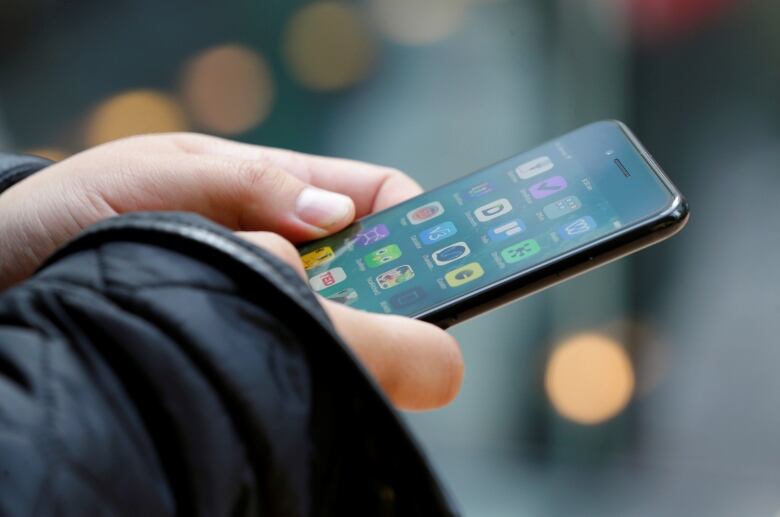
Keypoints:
(613, 248)
(656, 226)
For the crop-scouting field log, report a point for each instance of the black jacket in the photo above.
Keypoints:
(157, 365)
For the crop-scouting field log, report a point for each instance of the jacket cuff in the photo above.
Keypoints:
(14, 168)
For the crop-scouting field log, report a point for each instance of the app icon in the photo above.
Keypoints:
(562, 207)
(547, 187)
(346, 296)
(407, 297)
(371, 235)
(425, 212)
(506, 230)
(492, 210)
(520, 251)
(534, 167)
(327, 279)
(382, 256)
(437, 233)
(478, 190)
(317, 257)
(464, 274)
(577, 227)
(395, 276)
(451, 253)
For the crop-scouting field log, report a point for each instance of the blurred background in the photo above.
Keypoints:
(650, 387)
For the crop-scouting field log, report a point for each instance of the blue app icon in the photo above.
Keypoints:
(438, 233)
(576, 228)
(506, 230)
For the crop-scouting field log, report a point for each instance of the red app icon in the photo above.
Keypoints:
(327, 279)
(425, 212)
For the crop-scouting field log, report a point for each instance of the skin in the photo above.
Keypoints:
(271, 197)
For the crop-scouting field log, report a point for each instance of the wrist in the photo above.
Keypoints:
(33, 223)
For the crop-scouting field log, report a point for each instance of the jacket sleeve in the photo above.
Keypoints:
(157, 365)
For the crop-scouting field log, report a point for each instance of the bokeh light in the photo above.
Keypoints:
(665, 19)
(134, 112)
(328, 47)
(227, 89)
(651, 353)
(50, 153)
(589, 378)
(418, 22)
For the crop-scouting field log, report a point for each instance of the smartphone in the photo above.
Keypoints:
(503, 232)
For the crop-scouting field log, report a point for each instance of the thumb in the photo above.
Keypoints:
(242, 194)
(271, 199)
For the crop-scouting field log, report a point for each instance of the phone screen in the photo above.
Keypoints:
(491, 226)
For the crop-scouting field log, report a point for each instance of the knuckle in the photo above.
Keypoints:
(156, 141)
(391, 173)
(398, 177)
(134, 140)
(189, 142)
(257, 175)
(187, 135)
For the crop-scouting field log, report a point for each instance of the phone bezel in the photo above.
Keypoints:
(611, 247)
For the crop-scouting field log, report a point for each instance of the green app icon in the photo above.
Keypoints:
(521, 250)
(382, 256)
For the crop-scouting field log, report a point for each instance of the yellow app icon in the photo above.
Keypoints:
(318, 257)
(464, 274)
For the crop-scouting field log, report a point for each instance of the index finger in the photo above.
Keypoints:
(371, 187)
(418, 365)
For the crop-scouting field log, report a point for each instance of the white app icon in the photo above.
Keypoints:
(534, 167)
(492, 210)
(425, 212)
(451, 253)
(327, 279)
(506, 230)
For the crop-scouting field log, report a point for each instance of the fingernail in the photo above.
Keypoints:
(323, 208)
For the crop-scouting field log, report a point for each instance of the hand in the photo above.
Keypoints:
(246, 188)
(418, 365)
(241, 186)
